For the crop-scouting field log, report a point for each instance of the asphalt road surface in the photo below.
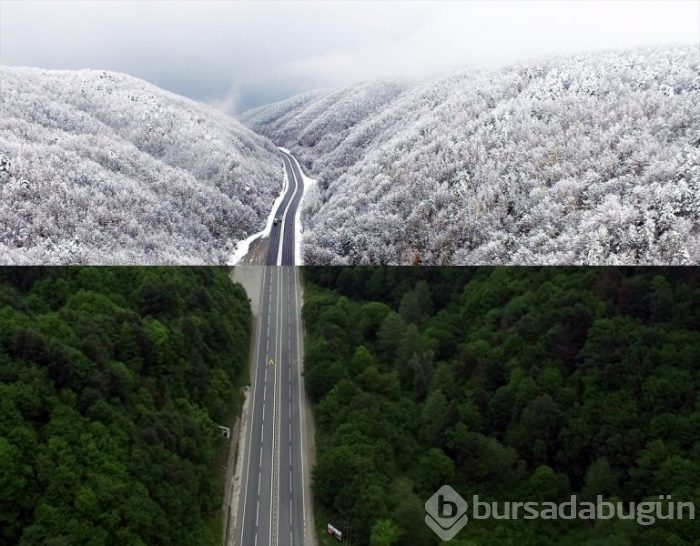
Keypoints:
(273, 509)
(281, 248)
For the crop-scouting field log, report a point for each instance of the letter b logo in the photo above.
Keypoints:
(446, 508)
(446, 513)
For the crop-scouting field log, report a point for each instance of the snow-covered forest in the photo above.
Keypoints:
(99, 167)
(587, 159)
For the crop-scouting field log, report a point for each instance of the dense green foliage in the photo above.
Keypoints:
(112, 382)
(514, 384)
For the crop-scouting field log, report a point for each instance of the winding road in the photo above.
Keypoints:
(281, 243)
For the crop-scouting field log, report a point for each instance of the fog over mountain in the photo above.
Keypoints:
(435, 139)
(100, 167)
(239, 54)
(586, 159)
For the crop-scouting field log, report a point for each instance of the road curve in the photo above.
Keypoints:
(281, 247)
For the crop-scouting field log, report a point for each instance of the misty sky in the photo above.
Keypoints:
(242, 54)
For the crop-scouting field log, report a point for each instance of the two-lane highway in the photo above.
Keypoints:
(281, 249)
(273, 509)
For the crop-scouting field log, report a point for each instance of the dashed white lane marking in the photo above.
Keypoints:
(259, 344)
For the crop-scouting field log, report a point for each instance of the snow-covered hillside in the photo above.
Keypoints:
(322, 122)
(593, 158)
(100, 167)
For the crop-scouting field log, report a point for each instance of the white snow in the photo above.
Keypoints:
(102, 168)
(584, 159)
(243, 246)
(298, 228)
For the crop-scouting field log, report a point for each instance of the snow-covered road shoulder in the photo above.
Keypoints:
(309, 185)
(243, 247)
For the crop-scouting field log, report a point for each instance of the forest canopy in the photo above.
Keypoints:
(112, 383)
(585, 159)
(513, 384)
(98, 167)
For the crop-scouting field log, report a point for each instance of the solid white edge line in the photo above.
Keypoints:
(301, 406)
(252, 408)
(298, 257)
(286, 210)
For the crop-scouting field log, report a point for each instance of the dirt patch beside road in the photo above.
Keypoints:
(236, 459)
(257, 252)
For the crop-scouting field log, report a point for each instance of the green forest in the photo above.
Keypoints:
(112, 383)
(511, 383)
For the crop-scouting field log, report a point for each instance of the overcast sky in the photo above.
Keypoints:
(241, 54)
